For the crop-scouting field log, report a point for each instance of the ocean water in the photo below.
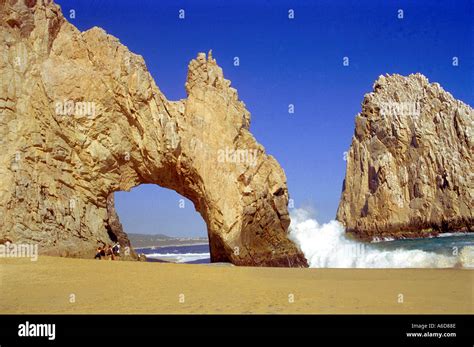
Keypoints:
(327, 245)
(195, 254)
(446, 244)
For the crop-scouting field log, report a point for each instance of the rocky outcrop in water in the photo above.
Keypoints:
(410, 164)
(81, 118)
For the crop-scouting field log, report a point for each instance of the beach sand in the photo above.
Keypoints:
(61, 285)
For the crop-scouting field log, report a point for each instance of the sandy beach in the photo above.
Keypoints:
(62, 285)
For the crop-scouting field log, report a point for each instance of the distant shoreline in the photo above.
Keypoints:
(172, 245)
(144, 241)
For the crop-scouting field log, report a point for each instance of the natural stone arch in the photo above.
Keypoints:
(89, 120)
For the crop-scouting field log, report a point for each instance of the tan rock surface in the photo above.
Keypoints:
(81, 118)
(410, 165)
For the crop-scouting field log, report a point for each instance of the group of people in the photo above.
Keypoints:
(108, 252)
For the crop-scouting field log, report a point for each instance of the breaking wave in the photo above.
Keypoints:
(179, 257)
(327, 245)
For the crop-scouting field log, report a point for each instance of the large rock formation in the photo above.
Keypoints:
(410, 165)
(81, 118)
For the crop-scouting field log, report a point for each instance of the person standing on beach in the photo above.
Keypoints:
(98, 254)
(102, 251)
(109, 253)
(116, 249)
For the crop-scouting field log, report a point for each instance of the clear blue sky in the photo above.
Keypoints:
(285, 62)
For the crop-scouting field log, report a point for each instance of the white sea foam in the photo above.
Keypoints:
(382, 239)
(326, 245)
(179, 257)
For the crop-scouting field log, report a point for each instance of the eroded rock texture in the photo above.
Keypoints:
(81, 118)
(410, 165)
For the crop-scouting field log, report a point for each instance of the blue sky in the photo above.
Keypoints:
(282, 62)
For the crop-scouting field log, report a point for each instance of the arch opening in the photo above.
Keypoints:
(162, 225)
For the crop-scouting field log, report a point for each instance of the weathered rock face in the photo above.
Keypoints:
(81, 118)
(410, 165)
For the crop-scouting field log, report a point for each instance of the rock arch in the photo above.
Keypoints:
(82, 118)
